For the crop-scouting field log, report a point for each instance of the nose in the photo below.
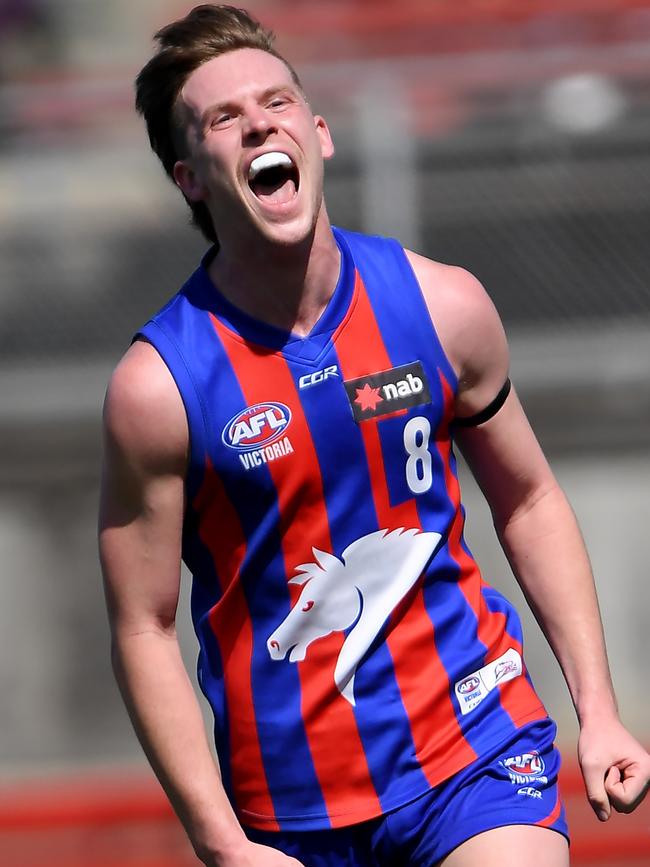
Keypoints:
(257, 124)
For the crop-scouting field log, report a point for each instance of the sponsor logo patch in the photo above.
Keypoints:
(257, 433)
(388, 391)
(504, 668)
(472, 689)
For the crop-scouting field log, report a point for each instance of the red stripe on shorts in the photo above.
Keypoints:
(554, 815)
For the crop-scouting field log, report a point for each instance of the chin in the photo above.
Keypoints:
(288, 235)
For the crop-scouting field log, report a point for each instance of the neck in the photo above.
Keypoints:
(288, 287)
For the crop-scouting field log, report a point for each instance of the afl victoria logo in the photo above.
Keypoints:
(468, 685)
(529, 764)
(256, 426)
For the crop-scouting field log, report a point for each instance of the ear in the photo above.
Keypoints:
(186, 179)
(304, 576)
(323, 131)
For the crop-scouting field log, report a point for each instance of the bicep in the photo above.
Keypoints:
(507, 461)
(142, 494)
(139, 539)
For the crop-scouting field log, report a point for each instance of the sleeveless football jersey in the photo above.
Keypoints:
(349, 648)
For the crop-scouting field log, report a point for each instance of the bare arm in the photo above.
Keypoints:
(141, 517)
(538, 532)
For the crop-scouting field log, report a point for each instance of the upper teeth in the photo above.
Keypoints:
(268, 161)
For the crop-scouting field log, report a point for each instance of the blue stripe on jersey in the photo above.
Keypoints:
(267, 597)
(385, 734)
(385, 731)
(497, 602)
(391, 286)
(205, 594)
(454, 621)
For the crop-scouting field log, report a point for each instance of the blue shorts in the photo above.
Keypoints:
(516, 785)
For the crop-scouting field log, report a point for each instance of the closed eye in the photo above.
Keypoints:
(220, 119)
(281, 100)
(308, 605)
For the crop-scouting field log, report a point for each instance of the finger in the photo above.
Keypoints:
(625, 793)
(613, 777)
(596, 792)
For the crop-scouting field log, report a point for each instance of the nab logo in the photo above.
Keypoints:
(318, 376)
(388, 391)
(256, 426)
(468, 685)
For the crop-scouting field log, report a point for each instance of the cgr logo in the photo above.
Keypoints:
(318, 376)
(530, 792)
(256, 426)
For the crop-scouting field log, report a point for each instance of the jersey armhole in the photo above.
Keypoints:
(447, 368)
(197, 418)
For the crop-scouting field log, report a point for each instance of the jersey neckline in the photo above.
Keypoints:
(309, 347)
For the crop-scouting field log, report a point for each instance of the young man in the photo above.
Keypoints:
(284, 424)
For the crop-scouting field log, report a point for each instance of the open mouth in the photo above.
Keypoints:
(274, 178)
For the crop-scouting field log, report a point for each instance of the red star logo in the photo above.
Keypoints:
(368, 397)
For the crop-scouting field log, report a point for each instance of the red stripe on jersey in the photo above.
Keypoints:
(440, 745)
(221, 533)
(518, 698)
(328, 717)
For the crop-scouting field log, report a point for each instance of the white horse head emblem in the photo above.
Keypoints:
(362, 588)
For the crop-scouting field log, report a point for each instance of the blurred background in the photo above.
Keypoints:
(508, 136)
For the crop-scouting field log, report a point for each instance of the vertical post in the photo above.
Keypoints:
(387, 159)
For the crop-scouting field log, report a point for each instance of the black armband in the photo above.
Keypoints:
(490, 410)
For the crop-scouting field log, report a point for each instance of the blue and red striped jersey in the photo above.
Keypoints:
(350, 650)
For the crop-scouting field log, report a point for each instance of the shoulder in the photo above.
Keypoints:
(469, 328)
(144, 417)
